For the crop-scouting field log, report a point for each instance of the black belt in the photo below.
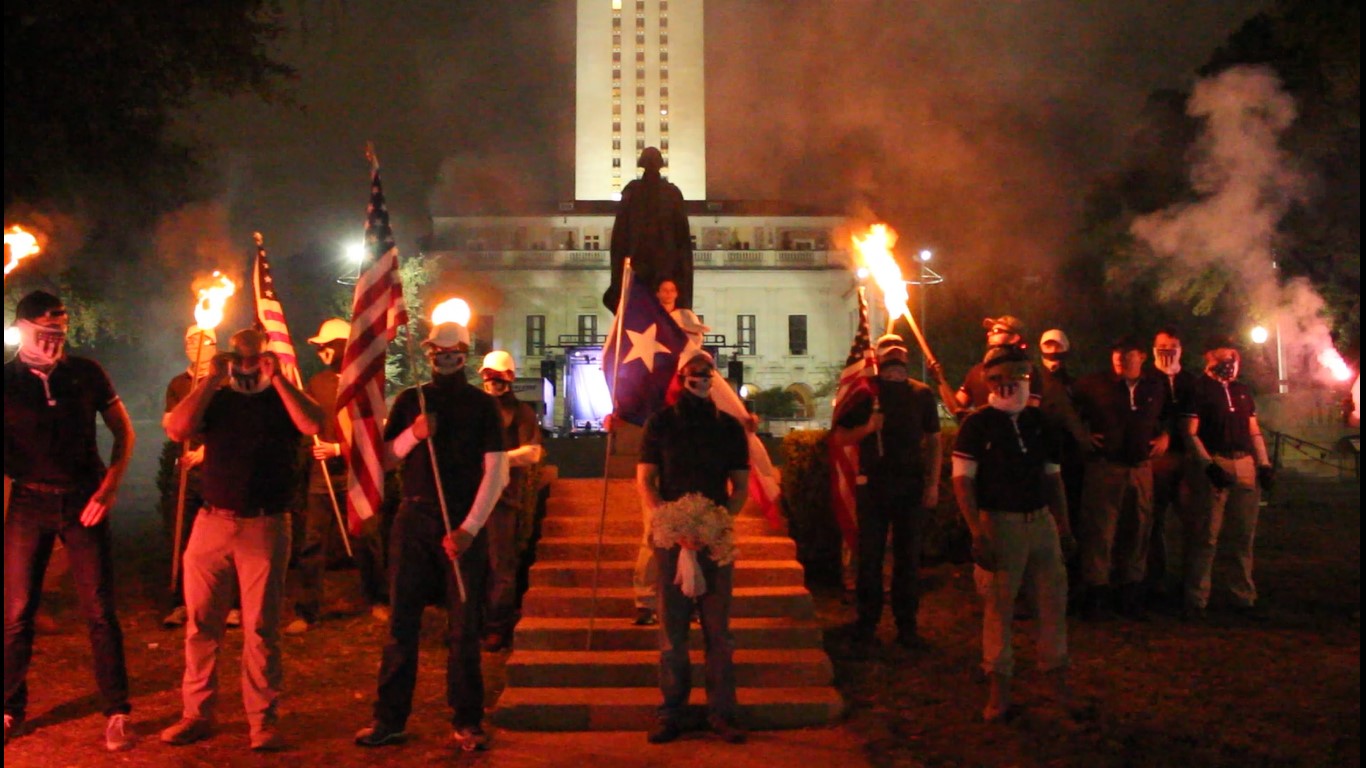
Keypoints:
(240, 514)
(1233, 454)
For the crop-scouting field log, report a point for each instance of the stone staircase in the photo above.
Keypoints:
(555, 682)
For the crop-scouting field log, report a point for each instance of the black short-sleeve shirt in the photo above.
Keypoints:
(1176, 393)
(696, 447)
(322, 387)
(251, 452)
(1010, 455)
(909, 413)
(1127, 418)
(1225, 412)
(468, 426)
(50, 428)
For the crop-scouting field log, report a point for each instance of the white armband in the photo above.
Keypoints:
(404, 444)
(491, 486)
(1052, 469)
(964, 467)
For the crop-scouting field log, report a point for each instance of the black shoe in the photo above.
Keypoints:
(494, 642)
(1252, 612)
(1193, 614)
(1098, 605)
(377, 734)
(728, 731)
(470, 738)
(1133, 603)
(863, 637)
(911, 641)
(664, 732)
(645, 618)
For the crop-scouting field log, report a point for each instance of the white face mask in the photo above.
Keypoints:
(699, 386)
(199, 348)
(447, 362)
(248, 381)
(1009, 396)
(40, 346)
(1167, 359)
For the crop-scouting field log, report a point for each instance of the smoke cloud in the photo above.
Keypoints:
(1245, 184)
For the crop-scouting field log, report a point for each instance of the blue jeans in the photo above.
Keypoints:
(713, 608)
(35, 521)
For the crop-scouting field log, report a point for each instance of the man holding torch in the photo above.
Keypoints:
(62, 488)
(437, 531)
(250, 417)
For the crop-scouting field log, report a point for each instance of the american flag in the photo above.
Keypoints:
(377, 311)
(270, 315)
(855, 383)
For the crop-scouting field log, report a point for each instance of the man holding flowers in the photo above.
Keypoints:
(693, 472)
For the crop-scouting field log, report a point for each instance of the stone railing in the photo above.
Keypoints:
(702, 259)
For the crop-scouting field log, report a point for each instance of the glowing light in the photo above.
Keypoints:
(664, 111)
(616, 196)
(19, 245)
(208, 310)
(355, 252)
(875, 250)
(11, 336)
(1337, 367)
(452, 311)
(926, 255)
(1259, 335)
(862, 273)
(744, 392)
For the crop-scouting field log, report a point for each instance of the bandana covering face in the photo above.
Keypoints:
(446, 362)
(244, 375)
(1010, 396)
(40, 346)
(1225, 369)
(894, 372)
(1167, 359)
(697, 384)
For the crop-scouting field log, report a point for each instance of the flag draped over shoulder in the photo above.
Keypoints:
(650, 344)
(377, 311)
(270, 316)
(856, 383)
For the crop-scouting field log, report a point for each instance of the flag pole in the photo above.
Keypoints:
(422, 409)
(618, 323)
(322, 463)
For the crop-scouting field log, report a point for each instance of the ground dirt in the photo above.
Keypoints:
(1231, 692)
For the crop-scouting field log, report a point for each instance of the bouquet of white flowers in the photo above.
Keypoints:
(696, 523)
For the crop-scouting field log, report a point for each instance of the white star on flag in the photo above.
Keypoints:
(644, 347)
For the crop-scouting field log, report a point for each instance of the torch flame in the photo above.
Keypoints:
(208, 311)
(1337, 367)
(19, 245)
(451, 311)
(875, 251)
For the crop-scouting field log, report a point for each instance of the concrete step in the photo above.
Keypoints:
(624, 525)
(619, 602)
(579, 573)
(625, 548)
(544, 633)
(634, 709)
(767, 668)
(619, 634)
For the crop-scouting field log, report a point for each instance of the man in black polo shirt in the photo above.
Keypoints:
(1123, 409)
(1231, 467)
(692, 447)
(1169, 469)
(463, 425)
(899, 464)
(1003, 331)
(61, 489)
(249, 417)
(1009, 488)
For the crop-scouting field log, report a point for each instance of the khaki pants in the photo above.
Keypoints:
(1231, 511)
(1109, 491)
(1026, 546)
(643, 580)
(255, 553)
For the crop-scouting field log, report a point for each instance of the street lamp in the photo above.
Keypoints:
(1260, 335)
(928, 277)
(353, 252)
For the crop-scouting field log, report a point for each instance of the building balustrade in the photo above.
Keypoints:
(702, 259)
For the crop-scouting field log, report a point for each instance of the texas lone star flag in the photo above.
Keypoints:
(377, 311)
(650, 344)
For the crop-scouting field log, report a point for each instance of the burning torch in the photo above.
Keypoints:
(19, 245)
(208, 313)
(875, 249)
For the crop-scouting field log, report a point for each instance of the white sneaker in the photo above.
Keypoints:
(117, 735)
(234, 617)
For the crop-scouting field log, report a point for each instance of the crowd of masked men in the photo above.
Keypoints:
(1066, 485)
